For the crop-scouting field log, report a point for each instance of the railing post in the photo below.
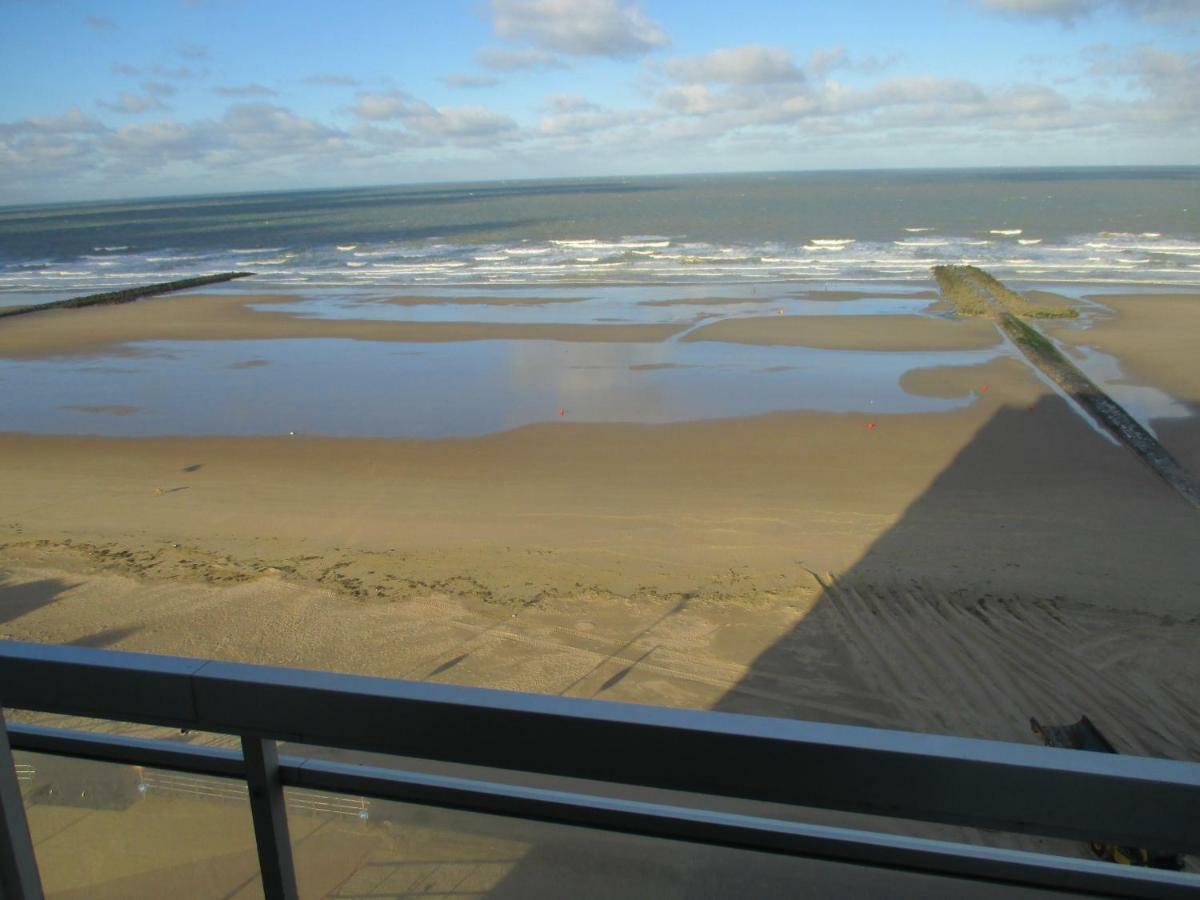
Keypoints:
(19, 877)
(270, 819)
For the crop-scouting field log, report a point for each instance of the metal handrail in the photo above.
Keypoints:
(1129, 800)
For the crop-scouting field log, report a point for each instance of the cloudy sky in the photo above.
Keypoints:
(201, 96)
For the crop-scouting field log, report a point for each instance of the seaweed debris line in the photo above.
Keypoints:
(976, 293)
(128, 295)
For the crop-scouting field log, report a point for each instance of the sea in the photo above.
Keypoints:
(1121, 225)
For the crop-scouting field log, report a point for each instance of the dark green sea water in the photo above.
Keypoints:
(1040, 225)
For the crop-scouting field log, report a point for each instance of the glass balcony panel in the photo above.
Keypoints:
(350, 848)
(102, 830)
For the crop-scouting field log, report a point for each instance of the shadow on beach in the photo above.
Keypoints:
(888, 645)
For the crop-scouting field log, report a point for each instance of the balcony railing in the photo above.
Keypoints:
(1131, 801)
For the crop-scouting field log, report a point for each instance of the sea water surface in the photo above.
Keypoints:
(1095, 225)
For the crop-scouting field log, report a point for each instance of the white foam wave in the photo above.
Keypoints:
(916, 230)
(1027, 242)
(111, 249)
(346, 248)
(256, 250)
(1005, 231)
(831, 242)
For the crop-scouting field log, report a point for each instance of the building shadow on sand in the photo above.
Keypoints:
(995, 597)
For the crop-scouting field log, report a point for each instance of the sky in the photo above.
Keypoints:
(128, 99)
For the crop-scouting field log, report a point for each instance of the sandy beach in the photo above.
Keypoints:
(1152, 336)
(219, 317)
(767, 564)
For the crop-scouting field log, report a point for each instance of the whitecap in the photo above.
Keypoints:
(256, 250)
(346, 248)
(1028, 241)
(1005, 231)
(111, 249)
(831, 242)
(916, 230)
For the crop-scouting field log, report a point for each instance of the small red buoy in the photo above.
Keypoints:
(983, 390)
(562, 411)
(870, 425)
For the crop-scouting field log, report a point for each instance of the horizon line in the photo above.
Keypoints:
(146, 198)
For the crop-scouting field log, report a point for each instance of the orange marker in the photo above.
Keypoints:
(870, 425)
(562, 411)
(983, 390)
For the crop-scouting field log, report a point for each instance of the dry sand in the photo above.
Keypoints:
(196, 317)
(853, 332)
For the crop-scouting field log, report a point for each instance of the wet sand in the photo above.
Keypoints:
(871, 568)
(494, 299)
(853, 332)
(1153, 337)
(219, 317)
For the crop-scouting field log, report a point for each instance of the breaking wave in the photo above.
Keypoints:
(1113, 256)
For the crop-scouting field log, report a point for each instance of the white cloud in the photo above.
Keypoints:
(822, 62)
(567, 103)
(243, 90)
(1068, 12)
(128, 102)
(749, 64)
(332, 79)
(579, 27)
(464, 124)
(461, 80)
(380, 107)
(73, 121)
(502, 59)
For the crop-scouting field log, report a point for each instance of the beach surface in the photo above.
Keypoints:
(1152, 337)
(953, 571)
(853, 332)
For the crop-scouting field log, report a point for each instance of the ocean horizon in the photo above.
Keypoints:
(1101, 225)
